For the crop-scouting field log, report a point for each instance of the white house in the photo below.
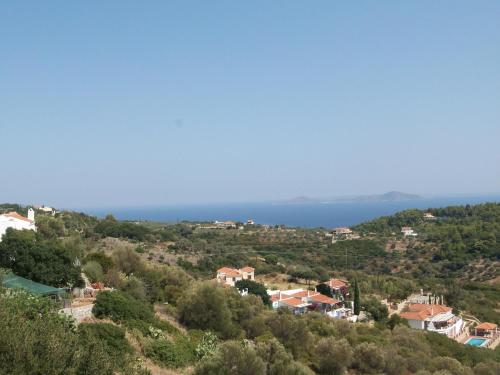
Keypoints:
(300, 301)
(15, 221)
(429, 216)
(230, 276)
(435, 318)
(408, 232)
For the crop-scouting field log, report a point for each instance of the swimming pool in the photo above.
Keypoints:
(477, 342)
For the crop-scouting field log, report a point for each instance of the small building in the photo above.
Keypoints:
(486, 329)
(16, 221)
(229, 276)
(429, 216)
(225, 224)
(435, 318)
(408, 232)
(300, 301)
(250, 222)
(342, 233)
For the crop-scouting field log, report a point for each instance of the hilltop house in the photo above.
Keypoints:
(429, 216)
(229, 276)
(15, 221)
(225, 224)
(408, 232)
(338, 287)
(300, 301)
(435, 318)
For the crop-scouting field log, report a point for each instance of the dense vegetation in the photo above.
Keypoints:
(165, 311)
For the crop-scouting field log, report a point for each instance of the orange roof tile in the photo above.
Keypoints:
(422, 311)
(336, 283)
(486, 326)
(303, 293)
(229, 271)
(15, 215)
(414, 315)
(324, 299)
(247, 269)
(295, 302)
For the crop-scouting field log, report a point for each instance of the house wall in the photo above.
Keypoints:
(416, 324)
(6, 223)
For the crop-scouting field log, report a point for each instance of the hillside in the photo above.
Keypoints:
(167, 316)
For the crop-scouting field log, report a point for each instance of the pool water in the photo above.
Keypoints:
(476, 342)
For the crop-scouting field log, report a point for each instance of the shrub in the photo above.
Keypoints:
(120, 306)
(170, 354)
(113, 337)
(93, 270)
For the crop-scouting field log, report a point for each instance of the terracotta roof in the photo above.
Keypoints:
(342, 230)
(486, 326)
(422, 311)
(303, 293)
(276, 297)
(15, 215)
(414, 315)
(336, 283)
(229, 271)
(233, 272)
(247, 269)
(324, 299)
(295, 302)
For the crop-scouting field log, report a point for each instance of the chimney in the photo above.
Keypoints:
(31, 214)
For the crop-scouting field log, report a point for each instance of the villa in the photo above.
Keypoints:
(15, 221)
(435, 318)
(229, 276)
(225, 224)
(300, 301)
(429, 216)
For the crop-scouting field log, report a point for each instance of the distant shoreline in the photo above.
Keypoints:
(307, 215)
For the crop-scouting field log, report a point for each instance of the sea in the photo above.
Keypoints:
(307, 215)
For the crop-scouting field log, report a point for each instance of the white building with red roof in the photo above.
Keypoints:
(435, 318)
(229, 276)
(16, 221)
(300, 301)
(338, 287)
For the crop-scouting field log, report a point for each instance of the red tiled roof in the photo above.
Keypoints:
(295, 302)
(247, 269)
(324, 299)
(486, 326)
(422, 311)
(229, 271)
(15, 215)
(233, 272)
(336, 283)
(303, 293)
(414, 315)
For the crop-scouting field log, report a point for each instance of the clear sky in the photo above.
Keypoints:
(158, 102)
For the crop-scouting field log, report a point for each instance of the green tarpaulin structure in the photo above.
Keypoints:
(12, 281)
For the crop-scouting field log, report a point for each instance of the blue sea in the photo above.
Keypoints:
(308, 215)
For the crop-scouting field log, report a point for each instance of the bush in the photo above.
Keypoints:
(205, 306)
(232, 358)
(170, 354)
(93, 270)
(119, 307)
(113, 337)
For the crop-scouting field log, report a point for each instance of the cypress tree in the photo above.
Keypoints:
(357, 303)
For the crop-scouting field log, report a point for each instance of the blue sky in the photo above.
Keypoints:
(130, 103)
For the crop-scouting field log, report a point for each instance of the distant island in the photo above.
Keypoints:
(391, 196)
